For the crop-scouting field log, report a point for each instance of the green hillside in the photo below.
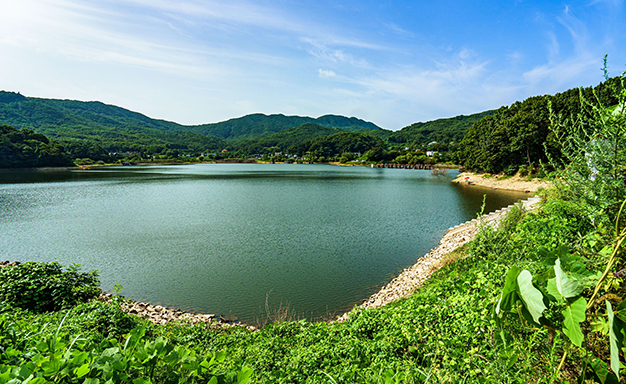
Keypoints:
(113, 128)
(285, 139)
(523, 135)
(93, 129)
(24, 148)
(337, 144)
(450, 130)
(262, 125)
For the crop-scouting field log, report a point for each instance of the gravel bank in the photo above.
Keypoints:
(413, 277)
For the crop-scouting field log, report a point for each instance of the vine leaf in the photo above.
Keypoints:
(567, 287)
(574, 314)
(615, 342)
(530, 295)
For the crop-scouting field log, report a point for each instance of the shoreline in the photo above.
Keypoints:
(508, 183)
(414, 277)
(403, 285)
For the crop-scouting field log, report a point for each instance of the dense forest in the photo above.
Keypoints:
(522, 135)
(24, 148)
(443, 131)
(258, 124)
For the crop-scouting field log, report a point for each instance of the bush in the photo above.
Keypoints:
(510, 170)
(42, 287)
(525, 170)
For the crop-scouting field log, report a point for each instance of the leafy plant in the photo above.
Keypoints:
(577, 288)
(47, 286)
(36, 357)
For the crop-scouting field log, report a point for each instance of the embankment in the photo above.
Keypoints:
(413, 277)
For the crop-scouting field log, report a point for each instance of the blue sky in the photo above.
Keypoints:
(390, 62)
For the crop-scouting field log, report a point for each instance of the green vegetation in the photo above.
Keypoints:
(93, 132)
(24, 148)
(258, 124)
(443, 131)
(539, 299)
(41, 287)
(93, 123)
(339, 143)
(287, 138)
(520, 134)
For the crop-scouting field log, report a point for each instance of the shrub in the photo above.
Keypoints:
(510, 170)
(42, 287)
(525, 170)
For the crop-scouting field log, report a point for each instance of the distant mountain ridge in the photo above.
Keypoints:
(117, 128)
(259, 124)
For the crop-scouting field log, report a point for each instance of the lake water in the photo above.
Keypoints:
(221, 238)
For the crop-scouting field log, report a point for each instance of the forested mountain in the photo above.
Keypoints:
(24, 148)
(450, 130)
(117, 129)
(284, 139)
(113, 128)
(520, 135)
(350, 142)
(262, 125)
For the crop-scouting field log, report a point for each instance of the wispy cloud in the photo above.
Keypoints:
(326, 73)
(400, 31)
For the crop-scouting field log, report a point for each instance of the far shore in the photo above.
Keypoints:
(509, 183)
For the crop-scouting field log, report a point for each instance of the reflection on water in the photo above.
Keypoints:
(218, 238)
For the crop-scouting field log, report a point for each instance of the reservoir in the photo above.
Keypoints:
(224, 238)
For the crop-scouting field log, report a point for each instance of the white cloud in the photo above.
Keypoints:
(326, 73)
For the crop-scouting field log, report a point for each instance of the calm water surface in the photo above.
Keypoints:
(219, 238)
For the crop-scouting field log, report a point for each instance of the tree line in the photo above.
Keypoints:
(522, 135)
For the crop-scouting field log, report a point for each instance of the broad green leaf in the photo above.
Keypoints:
(621, 311)
(613, 340)
(573, 315)
(601, 371)
(531, 296)
(508, 291)
(82, 370)
(244, 376)
(600, 325)
(554, 291)
(213, 380)
(37, 380)
(548, 257)
(567, 287)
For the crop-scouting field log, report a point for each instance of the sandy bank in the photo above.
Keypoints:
(513, 183)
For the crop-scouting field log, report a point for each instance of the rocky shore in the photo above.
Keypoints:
(162, 315)
(413, 277)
